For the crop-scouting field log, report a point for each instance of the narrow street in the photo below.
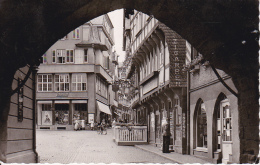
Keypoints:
(88, 147)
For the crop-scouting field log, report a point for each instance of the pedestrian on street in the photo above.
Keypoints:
(92, 125)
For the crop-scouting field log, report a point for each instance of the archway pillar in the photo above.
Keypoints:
(248, 116)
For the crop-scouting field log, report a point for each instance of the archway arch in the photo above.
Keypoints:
(224, 32)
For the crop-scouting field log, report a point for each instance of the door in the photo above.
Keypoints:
(226, 131)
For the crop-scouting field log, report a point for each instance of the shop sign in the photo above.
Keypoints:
(179, 54)
(62, 94)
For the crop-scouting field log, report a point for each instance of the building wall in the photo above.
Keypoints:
(206, 86)
(159, 55)
(21, 134)
(85, 51)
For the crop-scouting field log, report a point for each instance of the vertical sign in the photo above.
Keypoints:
(20, 101)
(90, 118)
(178, 62)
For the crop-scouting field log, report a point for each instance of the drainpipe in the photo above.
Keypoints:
(188, 113)
(34, 70)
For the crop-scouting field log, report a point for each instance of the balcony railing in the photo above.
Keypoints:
(130, 135)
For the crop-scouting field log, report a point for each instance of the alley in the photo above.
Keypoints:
(88, 147)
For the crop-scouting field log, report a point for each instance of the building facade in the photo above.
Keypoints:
(214, 131)
(157, 58)
(74, 78)
(21, 140)
(176, 85)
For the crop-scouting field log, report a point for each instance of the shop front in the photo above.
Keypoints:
(61, 114)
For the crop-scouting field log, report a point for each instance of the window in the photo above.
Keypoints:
(62, 114)
(60, 53)
(85, 55)
(62, 82)
(226, 120)
(44, 59)
(201, 126)
(79, 82)
(70, 56)
(80, 112)
(46, 114)
(75, 34)
(44, 83)
(53, 56)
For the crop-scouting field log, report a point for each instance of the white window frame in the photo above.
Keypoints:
(77, 81)
(47, 83)
(63, 79)
(61, 53)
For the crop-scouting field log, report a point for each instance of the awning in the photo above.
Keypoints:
(44, 102)
(79, 101)
(62, 101)
(103, 107)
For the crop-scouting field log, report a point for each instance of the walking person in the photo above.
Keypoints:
(92, 125)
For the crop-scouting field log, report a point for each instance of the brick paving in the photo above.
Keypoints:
(89, 147)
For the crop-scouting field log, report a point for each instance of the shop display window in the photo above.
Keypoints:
(80, 112)
(201, 126)
(46, 114)
(62, 114)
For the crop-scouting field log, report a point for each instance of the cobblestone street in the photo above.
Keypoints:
(88, 147)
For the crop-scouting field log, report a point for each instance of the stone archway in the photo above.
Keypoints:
(225, 32)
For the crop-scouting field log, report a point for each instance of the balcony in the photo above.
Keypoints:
(126, 135)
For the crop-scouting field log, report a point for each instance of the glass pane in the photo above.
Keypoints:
(39, 78)
(49, 87)
(73, 86)
(84, 86)
(39, 87)
(49, 78)
(44, 87)
(67, 86)
(44, 78)
(71, 55)
(57, 87)
(68, 56)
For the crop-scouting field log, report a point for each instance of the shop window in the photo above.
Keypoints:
(201, 128)
(62, 82)
(226, 120)
(80, 112)
(44, 82)
(79, 82)
(46, 114)
(62, 114)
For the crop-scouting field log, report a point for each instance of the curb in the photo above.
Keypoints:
(175, 161)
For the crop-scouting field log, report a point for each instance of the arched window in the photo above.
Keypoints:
(201, 125)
